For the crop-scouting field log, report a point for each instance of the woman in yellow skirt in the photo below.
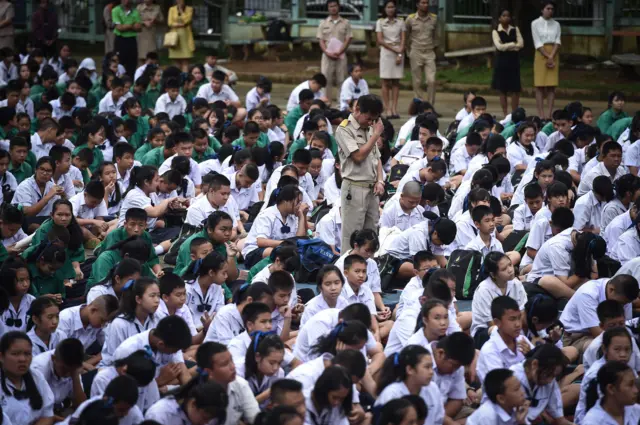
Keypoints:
(180, 17)
(546, 66)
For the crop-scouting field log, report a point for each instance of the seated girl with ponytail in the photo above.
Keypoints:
(97, 412)
(44, 335)
(410, 371)
(46, 262)
(262, 363)
(331, 399)
(138, 365)
(134, 248)
(619, 401)
(201, 401)
(26, 395)
(126, 270)
(14, 295)
(432, 235)
(62, 217)
(616, 346)
(121, 395)
(351, 334)
(205, 295)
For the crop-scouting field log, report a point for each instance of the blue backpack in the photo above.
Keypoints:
(314, 253)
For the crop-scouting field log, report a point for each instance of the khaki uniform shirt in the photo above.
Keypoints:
(422, 34)
(328, 29)
(350, 137)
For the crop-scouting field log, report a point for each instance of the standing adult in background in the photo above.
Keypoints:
(127, 26)
(334, 34)
(546, 39)
(390, 32)
(44, 27)
(360, 166)
(151, 16)
(7, 13)
(506, 72)
(109, 36)
(422, 40)
(180, 17)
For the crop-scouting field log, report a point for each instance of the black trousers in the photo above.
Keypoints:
(127, 48)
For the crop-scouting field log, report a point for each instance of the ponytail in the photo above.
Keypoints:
(394, 368)
(350, 332)
(609, 374)
(140, 175)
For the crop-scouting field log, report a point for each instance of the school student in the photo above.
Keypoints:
(354, 290)
(137, 313)
(61, 369)
(614, 111)
(627, 246)
(134, 247)
(262, 364)
(524, 214)
(485, 241)
(183, 147)
(506, 400)
(500, 281)
(16, 284)
(609, 167)
(478, 107)
(579, 316)
(329, 228)
(164, 344)
(126, 270)
(27, 397)
(171, 101)
(506, 345)
(90, 209)
(92, 138)
(256, 317)
(460, 158)
(217, 198)
(113, 100)
(432, 172)
(205, 296)
(330, 282)
(433, 320)
(627, 191)
(334, 384)
(495, 145)
(173, 295)
(44, 334)
(403, 374)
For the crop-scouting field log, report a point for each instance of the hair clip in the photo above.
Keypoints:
(202, 373)
(128, 285)
(108, 402)
(396, 359)
(257, 335)
(196, 265)
(244, 286)
(339, 327)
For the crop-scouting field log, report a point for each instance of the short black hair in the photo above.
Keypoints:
(479, 212)
(562, 218)
(459, 347)
(122, 148)
(71, 352)
(282, 386)
(301, 156)
(320, 79)
(170, 282)
(281, 281)
(609, 309)
(135, 214)
(57, 152)
(625, 285)
(602, 186)
(174, 332)
(306, 94)
(95, 189)
(371, 104)
(85, 155)
(353, 259)
(494, 383)
(500, 305)
(532, 191)
(251, 127)
(252, 310)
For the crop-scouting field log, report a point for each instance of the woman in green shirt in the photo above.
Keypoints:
(45, 265)
(614, 113)
(135, 247)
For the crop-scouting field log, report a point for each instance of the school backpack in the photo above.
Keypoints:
(516, 241)
(186, 231)
(277, 31)
(465, 265)
(313, 253)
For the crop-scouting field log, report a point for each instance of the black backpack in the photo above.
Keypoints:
(516, 241)
(465, 266)
(186, 232)
(314, 253)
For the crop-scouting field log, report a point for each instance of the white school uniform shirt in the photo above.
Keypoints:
(459, 161)
(632, 156)
(589, 165)
(477, 244)
(586, 182)
(331, 190)
(242, 403)
(598, 416)
(466, 122)
(539, 233)
(238, 348)
(462, 113)
(21, 314)
(253, 99)
(194, 173)
(628, 246)
(119, 330)
(548, 396)
(318, 304)
(58, 112)
(553, 257)
(182, 312)
(99, 290)
(201, 209)
(327, 416)
(167, 411)
(8, 73)
(522, 218)
(410, 295)
(577, 161)
(297, 131)
(452, 386)
(136, 198)
(294, 97)
(276, 135)
(226, 93)
(26, 106)
(305, 182)
(66, 182)
(39, 346)
(147, 395)
(416, 238)
(245, 196)
(107, 105)
(412, 148)
(611, 210)
(270, 225)
(491, 413)
(20, 412)
(587, 211)
(373, 273)
(485, 293)
(329, 228)
(195, 298)
(457, 203)
(405, 131)
(553, 138)
(210, 165)
(40, 148)
(593, 353)
(139, 71)
(171, 107)
(62, 388)
(309, 372)
(227, 324)
(615, 230)
(81, 210)
(350, 91)
(28, 194)
(580, 312)
(140, 341)
(258, 387)
(495, 354)
(20, 235)
(429, 393)
(517, 155)
(466, 231)
(475, 164)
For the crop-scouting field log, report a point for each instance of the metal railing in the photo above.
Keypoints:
(630, 9)
(268, 8)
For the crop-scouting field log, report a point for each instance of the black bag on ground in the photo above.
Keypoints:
(388, 267)
(465, 266)
(186, 232)
(314, 253)
(516, 241)
(277, 31)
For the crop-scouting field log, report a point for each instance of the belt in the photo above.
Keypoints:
(361, 184)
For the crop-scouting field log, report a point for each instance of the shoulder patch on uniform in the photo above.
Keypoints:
(413, 15)
(433, 15)
(344, 123)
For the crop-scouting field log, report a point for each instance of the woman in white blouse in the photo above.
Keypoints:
(546, 39)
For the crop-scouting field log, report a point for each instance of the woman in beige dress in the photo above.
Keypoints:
(152, 17)
(180, 17)
(7, 12)
(391, 39)
(546, 33)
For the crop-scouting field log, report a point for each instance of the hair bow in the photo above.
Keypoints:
(339, 327)
(196, 265)
(257, 335)
(128, 285)
(396, 359)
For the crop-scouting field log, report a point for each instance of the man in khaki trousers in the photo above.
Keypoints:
(422, 39)
(334, 61)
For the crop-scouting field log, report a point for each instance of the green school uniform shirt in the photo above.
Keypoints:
(509, 131)
(197, 157)
(154, 157)
(607, 118)
(214, 143)
(462, 133)
(105, 262)
(86, 178)
(298, 144)
(150, 97)
(3, 253)
(92, 101)
(619, 127)
(142, 130)
(32, 160)
(119, 235)
(43, 285)
(257, 268)
(548, 128)
(34, 126)
(36, 91)
(120, 16)
(184, 253)
(142, 151)
(21, 173)
(66, 271)
(292, 118)
(261, 142)
(98, 157)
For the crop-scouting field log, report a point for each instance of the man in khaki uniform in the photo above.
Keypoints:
(422, 39)
(361, 167)
(334, 59)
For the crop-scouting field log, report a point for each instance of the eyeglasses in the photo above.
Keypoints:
(45, 170)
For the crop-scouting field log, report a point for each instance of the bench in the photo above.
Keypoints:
(246, 45)
(628, 33)
(629, 64)
(460, 55)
